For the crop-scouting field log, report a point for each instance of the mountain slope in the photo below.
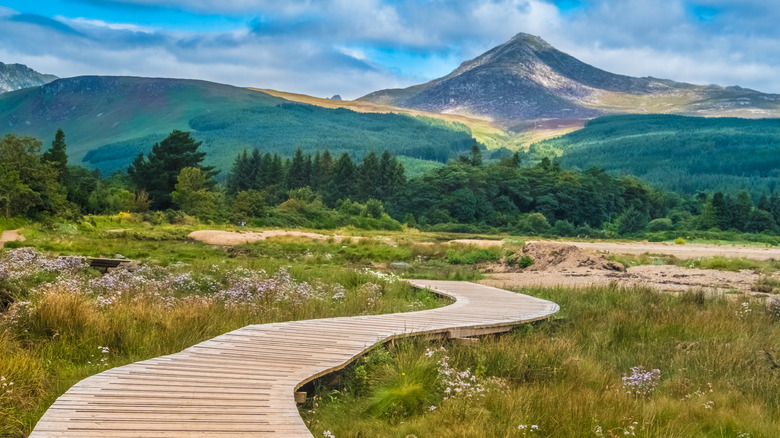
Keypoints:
(109, 120)
(684, 154)
(527, 79)
(18, 76)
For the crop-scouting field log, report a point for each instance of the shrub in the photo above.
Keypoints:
(525, 261)
(473, 256)
(680, 241)
(374, 208)
(631, 221)
(564, 228)
(13, 244)
(661, 224)
(521, 261)
(534, 223)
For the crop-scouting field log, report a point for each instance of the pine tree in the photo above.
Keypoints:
(297, 173)
(743, 206)
(391, 176)
(236, 177)
(58, 155)
(723, 214)
(276, 173)
(158, 172)
(266, 169)
(368, 178)
(315, 178)
(342, 183)
(476, 156)
(326, 169)
(245, 172)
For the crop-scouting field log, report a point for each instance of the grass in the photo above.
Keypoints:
(59, 325)
(563, 375)
(11, 223)
(718, 375)
(719, 263)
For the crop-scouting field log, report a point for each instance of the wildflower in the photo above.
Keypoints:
(6, 385)
(328, 434)
(641, 382)
(744, 310)
(526, 429)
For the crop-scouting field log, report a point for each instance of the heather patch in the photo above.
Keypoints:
(63, 321)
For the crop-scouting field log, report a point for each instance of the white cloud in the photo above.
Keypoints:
(344, 46)
(84, 22)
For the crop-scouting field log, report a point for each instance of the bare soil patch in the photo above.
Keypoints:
(478, 243)
(550, 256)
(10, 236)
(687, 251)
(665, 278)
(559, 264)
(215, 237)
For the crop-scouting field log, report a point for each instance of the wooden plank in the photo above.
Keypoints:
(244, 383)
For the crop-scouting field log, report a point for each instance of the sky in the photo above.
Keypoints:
(353, 47)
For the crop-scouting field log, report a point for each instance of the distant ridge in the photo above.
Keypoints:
(109, 120)
(527, 79)
(17, 76)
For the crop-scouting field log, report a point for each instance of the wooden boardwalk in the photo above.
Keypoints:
(242, 384)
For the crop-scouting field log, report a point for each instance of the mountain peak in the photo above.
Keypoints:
(527, 79)
(17, 76)
(527, 39)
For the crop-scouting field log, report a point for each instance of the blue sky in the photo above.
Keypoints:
(352, 47)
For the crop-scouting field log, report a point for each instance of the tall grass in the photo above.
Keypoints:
(717, 262)
(61, 321)
(718, 363)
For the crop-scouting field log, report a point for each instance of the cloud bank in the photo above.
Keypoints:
(352, 47)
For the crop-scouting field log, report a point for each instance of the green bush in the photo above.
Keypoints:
(521, 261)
(533, 223)
(564, 228)
(13, 244)
(473, 255)
(661, 224)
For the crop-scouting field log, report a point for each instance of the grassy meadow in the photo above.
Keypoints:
(571, 375)
(61, 321)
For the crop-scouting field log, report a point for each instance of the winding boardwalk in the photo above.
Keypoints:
(241, 384)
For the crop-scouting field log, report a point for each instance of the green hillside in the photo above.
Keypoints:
(109, 120)
(685, 154)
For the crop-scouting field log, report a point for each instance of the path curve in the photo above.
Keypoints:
(241, 384)
(10, 236)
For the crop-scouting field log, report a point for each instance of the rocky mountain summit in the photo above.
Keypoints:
(17, 76)
(527, 79)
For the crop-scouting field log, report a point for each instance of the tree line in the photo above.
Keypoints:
(321, 190)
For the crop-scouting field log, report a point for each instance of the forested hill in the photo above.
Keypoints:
(109, 120)
(684, 154)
